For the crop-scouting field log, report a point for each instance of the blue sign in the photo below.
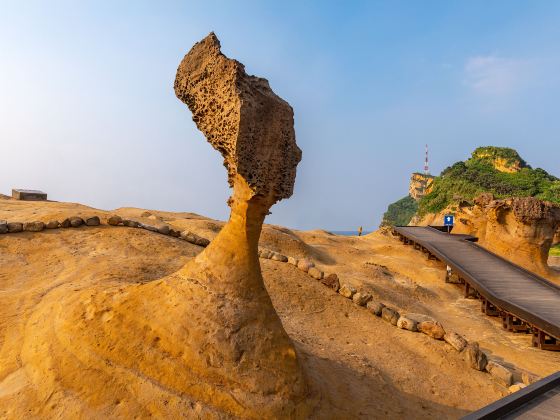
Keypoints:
(448, 220)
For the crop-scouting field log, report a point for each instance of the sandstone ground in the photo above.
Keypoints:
(359, 365)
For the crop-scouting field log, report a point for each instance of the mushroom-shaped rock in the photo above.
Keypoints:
(206, 334)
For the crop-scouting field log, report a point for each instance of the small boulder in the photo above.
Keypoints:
(293, 261)
(432, 329)
(33, 226)
(475, 357)
(65, 223)
(202, 242)
(315, 273)
(375, 307)
(130, 223)
(115, 220)
(500, 373)
(76, 221)
(149, 227)
(390, 315)
(419, 317)
(347, 291)
(305, 265)
(276, 256)
(92, 221)
(3, 226)
(455, 340)
(174, 233)
(53, 224)
(265, 253)
(15, 227)
(361, 298)
(529, 378)
(516, 387)
(164, 230)
(188, 236)
(331, 281)
(407, 324)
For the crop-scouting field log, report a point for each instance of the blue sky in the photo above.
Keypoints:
(88, 113)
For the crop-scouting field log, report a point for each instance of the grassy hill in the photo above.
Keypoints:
(498, 170)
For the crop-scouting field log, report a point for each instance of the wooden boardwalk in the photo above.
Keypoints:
(526, 302)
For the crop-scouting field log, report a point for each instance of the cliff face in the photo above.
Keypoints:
(420, 185)
(519, 229)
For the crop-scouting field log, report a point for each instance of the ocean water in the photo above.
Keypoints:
(349, 232)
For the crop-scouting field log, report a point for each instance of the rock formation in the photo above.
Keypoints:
(206, 336)
(520, 229)
(420, 185)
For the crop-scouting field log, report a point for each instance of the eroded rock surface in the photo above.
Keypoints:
(242, 118)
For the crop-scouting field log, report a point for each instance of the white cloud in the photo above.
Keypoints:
(493, 75)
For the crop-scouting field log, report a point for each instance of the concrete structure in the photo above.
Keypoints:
(29, 195)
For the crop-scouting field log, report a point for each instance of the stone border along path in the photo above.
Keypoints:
(474, 357)
(74, 222)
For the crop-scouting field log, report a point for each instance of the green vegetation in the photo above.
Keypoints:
(466, 180)
(400, 212)
(491, 153)
(555, 250)
(463, 181)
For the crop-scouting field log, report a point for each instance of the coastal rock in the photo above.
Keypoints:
(14, 227)
(419, 317)
(293, 261)
(65, 223)
(455, 340)
(390, 315)
(53, 224)
(164, 230)
(475, 357)
(252, 128)
(202, 242)
(3, 226)
(279, 257)
(148, 227)
(92, 221)
(130, 223)
(315, 273)
(361, 298)
(432, 329)
(33, 226)
(500, 373)
(174, 233)
(305, 265)
(375, 307)
(407, 324)
(115, 220)
(76, 221)
(331, 281)
(347, 291)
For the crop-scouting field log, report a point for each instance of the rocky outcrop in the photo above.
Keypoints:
(420, 185)
(521, 230)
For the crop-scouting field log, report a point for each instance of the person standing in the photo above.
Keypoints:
(360, 231)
